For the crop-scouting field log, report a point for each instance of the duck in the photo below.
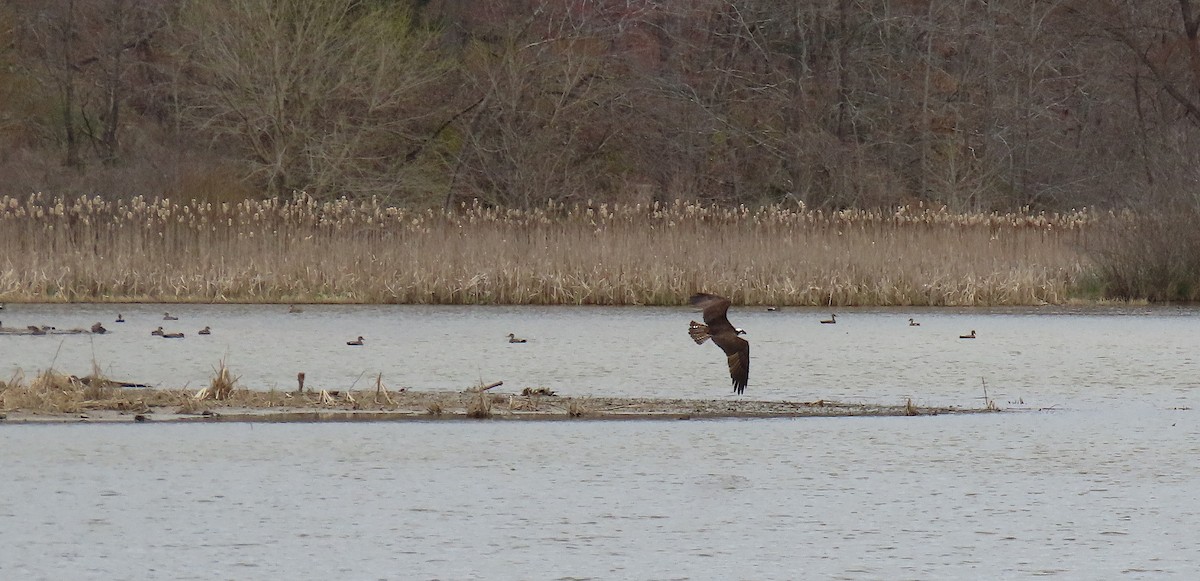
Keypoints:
(831, 320)
(36, 330)
(295, 309)
(204, 331)
(358, 341)
(912, 323)
(172, 335)
(772, 309)
(168, 317)
(99, 329)
(970, 335)
(158, 331)
(514, 339)
(120, 318)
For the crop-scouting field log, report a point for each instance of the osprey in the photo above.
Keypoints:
(716, 326)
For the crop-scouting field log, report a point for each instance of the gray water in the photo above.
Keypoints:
(1031, 357)
(1101, 486)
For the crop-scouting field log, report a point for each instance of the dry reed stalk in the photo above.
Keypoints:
(89, 249)
(434, 408)
(381, 392)
(221, 386)
(577, 409)
(479, 406)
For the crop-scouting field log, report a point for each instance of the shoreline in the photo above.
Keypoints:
(180, 406)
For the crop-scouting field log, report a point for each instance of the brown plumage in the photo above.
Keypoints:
(717, 327)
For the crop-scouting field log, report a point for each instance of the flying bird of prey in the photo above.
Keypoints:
(716, 326)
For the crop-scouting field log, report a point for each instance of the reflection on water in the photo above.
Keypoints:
(1041, 357)
(1073, 495)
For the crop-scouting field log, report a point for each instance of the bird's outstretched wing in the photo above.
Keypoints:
(737, 352)
(715, 308)
(725, 335)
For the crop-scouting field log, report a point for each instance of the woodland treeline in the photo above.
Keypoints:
(1039, 104)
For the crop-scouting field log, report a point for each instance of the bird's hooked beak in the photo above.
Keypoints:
(741, 331)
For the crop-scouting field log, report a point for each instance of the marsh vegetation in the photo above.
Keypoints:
(301, 250)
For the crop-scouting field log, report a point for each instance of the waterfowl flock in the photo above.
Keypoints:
(716, 327)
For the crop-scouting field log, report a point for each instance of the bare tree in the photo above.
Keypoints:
(548, 110)
(321, 95)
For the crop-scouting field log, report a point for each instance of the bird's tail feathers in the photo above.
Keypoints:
(699, 332)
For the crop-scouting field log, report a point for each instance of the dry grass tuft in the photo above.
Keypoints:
(54, 392)
(577, 409)
(221, 387)
(479, 406)
(49, 391)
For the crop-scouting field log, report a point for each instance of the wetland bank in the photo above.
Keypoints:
(354, 266)
(1093, 481)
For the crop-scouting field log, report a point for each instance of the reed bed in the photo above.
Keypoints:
(298, 250)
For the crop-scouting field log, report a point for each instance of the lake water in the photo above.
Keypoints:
(1042, 357)
(1101, 486)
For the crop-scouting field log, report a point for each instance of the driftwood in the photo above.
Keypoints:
(482, 388)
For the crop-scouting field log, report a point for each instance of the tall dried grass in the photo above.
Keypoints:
(53, 392)
(299, 250)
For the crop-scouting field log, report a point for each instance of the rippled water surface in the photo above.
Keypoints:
(1042, 357)
(1100, 486)
(1072, 495)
